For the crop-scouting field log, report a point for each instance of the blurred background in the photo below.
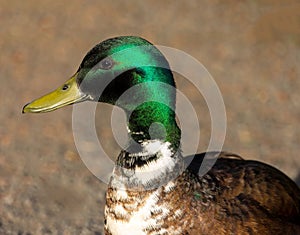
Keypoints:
(251, 48)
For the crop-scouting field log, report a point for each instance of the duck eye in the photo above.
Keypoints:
(65, 87)
(106, 63)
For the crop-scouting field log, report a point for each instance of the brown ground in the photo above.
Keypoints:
(251, 49)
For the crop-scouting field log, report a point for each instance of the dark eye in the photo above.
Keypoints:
(106, 63)
(65, 87)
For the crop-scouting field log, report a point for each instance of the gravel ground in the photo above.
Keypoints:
(251, 48)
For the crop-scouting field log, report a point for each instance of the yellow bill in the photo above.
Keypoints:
(68, 93)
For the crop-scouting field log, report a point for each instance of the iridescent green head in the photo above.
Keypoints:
(118, 64)
(125, 71)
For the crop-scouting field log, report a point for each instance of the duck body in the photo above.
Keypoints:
(153, 189)
(232, 198)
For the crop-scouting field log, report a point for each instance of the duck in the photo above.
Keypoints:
(152, 189)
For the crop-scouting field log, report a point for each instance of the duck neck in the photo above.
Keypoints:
(153, 151)
(152, 128)
(154, 121)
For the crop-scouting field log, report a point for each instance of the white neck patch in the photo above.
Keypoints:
(156, 170)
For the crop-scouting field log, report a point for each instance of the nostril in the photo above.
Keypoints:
(65, 87)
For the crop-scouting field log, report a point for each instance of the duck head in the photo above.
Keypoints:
(125, 71)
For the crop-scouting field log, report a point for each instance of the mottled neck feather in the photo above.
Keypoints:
(153, 165)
